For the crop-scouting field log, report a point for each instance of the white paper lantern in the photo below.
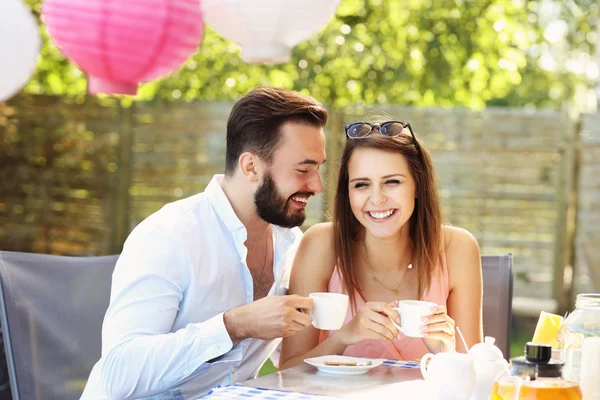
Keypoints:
(268, 29)
(19, 46)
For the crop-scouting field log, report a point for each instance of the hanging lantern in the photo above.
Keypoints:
(19, 46)
(121, 43)
(267, 29)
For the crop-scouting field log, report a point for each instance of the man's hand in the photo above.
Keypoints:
(269, 318)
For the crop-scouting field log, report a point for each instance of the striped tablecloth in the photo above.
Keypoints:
(246, 392)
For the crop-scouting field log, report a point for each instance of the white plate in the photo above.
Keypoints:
(319, 362)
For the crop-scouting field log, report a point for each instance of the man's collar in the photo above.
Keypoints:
(223, 207)
(285, 234)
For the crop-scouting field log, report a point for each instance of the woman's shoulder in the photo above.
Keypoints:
(319, 235)
(315, 259)
(462, 254)
(458, 239)
(318, 245)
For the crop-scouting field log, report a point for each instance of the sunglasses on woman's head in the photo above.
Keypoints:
(358, 130)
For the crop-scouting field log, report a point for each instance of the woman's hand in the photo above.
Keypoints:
(371, 322)
(438, 331)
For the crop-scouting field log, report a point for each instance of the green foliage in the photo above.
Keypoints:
(267, 368)
(469, 53)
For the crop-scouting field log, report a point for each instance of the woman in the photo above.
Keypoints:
(387, 243)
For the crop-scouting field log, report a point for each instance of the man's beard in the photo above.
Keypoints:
(273, 207)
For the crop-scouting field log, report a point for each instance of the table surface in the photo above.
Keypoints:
(383, 381)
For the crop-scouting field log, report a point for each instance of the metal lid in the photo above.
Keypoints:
(537, 362)
(521, 367)
(538, 353)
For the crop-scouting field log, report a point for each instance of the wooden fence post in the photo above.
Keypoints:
(573, 214)
(334, 150)
(565, 225)
(122, 179)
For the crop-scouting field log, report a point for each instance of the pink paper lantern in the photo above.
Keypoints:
(121, 43)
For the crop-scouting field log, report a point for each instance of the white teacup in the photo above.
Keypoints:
(411, 312)
(329, 310)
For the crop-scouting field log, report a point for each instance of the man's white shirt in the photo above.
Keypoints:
(184, 266)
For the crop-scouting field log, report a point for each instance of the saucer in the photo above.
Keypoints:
(362, 366)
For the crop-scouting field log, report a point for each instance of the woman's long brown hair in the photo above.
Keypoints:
(425, 227)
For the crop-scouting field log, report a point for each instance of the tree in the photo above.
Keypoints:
(468, 53)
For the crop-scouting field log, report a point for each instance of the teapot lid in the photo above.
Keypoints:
(486, 351)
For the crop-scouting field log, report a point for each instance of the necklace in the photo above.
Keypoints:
(264, 265)
(394, 290)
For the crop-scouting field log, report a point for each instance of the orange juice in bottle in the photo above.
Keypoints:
(516, 388)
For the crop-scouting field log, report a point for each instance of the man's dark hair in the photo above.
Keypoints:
(256, 119)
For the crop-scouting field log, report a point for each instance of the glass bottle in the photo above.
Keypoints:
(581, 323)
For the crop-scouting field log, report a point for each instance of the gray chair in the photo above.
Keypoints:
(497, 299)
(52, 309)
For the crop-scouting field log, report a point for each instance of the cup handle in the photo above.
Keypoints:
(424, 361)
(396, 325)
(313, 318)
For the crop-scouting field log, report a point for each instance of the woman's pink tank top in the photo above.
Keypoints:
(405, 348)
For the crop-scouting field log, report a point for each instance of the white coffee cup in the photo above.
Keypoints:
(329, 310)
(411, 312)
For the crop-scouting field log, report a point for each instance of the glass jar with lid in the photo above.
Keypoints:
(582, 323)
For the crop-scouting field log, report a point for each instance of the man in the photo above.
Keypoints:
(198, 294)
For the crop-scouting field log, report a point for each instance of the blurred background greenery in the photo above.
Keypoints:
(471, 53)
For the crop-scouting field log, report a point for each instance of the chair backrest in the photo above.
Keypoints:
(52, 309)
(497, 299)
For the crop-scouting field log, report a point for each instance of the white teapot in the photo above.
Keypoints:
(452, 374)
(489, 363)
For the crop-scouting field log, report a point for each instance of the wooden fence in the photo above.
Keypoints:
(77, 176)
(586, 256)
